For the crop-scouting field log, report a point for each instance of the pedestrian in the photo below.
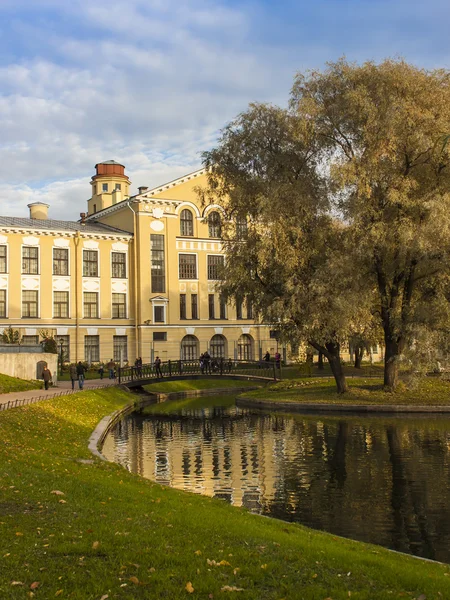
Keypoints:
(80, 374)
(230, 365)
(73, 374)
(158, 367)
(46, 376)
(277, 360)
(202, 363)
(101, 371)
(139, 366)
(207, 362)
(111, 366)
(267, 356)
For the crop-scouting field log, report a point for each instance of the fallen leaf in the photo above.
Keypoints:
(189, 587)
(17, 583)
(57, 493)
(34, 585)
(231, 588)
(59, 592)
(198, 552)
(134, 580)
(104, 597)
(19, 533)
(95, 545)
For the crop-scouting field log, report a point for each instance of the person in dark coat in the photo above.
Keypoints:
(73, 375)
(80, 374)
(158, 367)
(46, 376)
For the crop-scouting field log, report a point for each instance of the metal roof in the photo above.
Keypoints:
(55, 225)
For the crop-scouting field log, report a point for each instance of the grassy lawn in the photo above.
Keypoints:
(427, 391)
(12, 384)
(76, 527)
(198, 384)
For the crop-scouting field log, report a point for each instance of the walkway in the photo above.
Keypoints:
(61, 389)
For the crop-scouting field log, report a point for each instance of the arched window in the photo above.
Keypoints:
(214, 225)
(186, 222)
(245, 347)
(189, 348)
(241, 227)
(218, 346)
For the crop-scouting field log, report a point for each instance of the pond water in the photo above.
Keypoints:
(379, 480)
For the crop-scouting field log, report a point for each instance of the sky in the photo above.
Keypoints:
(150, 83)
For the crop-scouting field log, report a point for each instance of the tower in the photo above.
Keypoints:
(110, 185)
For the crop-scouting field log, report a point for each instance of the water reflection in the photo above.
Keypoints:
(384, 481)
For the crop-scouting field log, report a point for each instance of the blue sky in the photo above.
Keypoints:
(151, 82)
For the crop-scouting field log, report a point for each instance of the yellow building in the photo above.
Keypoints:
(135, 277)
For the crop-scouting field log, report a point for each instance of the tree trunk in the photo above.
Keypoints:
(391, 356)
(359, 352)
(332, 351)
(320, 361)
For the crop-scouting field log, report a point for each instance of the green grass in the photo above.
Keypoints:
(427, 391)
(13, 384)
(116, 534)
(198, 384)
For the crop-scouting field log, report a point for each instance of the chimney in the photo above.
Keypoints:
(83, 218)
(142, 189)
(38, 210)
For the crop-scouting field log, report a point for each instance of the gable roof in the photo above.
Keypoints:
(56, 225)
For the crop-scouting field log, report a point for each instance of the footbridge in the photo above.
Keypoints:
(173, 370)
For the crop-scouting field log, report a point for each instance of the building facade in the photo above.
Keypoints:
(135, 277)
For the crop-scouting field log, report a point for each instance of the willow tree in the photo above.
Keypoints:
(284, 249)
(383, 133)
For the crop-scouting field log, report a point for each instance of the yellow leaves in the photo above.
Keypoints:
(264, 566)
(17, 583)
(59, 592)
(198, 552)
(104, 597)
(222, 563)
(19, 533)
(231, 588)
(57, 493)
(35, 585)
(95, 545)
(189, 587)
(134, 580)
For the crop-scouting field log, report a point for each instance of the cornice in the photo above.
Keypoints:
(58, 233)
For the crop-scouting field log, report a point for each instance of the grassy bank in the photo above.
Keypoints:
(428, 391)
(12, 384)
(76, 527)
(198, 384)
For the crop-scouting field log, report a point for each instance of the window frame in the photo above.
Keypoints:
(159, 306)
(120, 264)
(183, 308)
(115, 306)
(4, 302)
(97, 305)
(186, 224)
(5, 246)
(91, 262)
(117, 344)
(213, 266)
(96, 358)
(59, 261)
(194, 307)
(29, 259)
(211, 307)
(182, 254)
(29, 303)
(158, 263)
(214, 227)
(59, 304)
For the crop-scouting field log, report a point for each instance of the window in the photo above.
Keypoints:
(90, 305)
(217, 346)
(30, 260)
(211, 311)
(189, 348)
(223, 307)
(158, 267)
(120, 348)
(30, 340)
(60, 305)
(60, 261)
(104, 187)
(29, 303)
(95, 208)
(249, 310)
(194, 306)
(186, 222)
(65, 347)
(238, 308)
(215, 267)
(3, 304)
(3, 259)
(90, 263)
(182, 306)
(160, 336)
(118, 187)
(119, 306)
(214, 225)
(245, 347)
(188, 266)
(119, 265)
(91, 348)
(241, 227)
(159, 316)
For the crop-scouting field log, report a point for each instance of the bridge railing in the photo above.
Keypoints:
(216, 367)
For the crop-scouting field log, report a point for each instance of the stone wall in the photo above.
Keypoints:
(26, 365)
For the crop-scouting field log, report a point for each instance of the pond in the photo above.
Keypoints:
(376, 479)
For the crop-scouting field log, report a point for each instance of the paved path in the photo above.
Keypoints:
(62, 388)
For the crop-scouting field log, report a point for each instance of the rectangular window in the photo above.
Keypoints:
(30, 340)
(3, 304)
(60, 261)
(188, 266)
(120, 348)
(118, 187)
(118, 265)
(160, 336)
(104, 187)
(119, 306)
(91, 348)
(3, 259)
(223, 307)
(211, 311)
(159, 314)
(29, 303)
(60, 305)
(90, 305)
(158, 267)
(182, 306)
(90, 263)
(65, 347)
(30, 260)
(194, 306)
(215, 267)
(249, 310)
(238, 308)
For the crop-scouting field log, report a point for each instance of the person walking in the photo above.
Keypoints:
(158, 367)
(267, 356)
(46, 376)
(207, 362)
(111, 366)
(80, 374)
(202, 363)
(73, 375)
(101, 371)
(278, 360)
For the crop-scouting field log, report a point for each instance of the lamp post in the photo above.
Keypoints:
(61, 344)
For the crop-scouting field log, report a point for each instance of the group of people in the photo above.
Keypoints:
(277, 358)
